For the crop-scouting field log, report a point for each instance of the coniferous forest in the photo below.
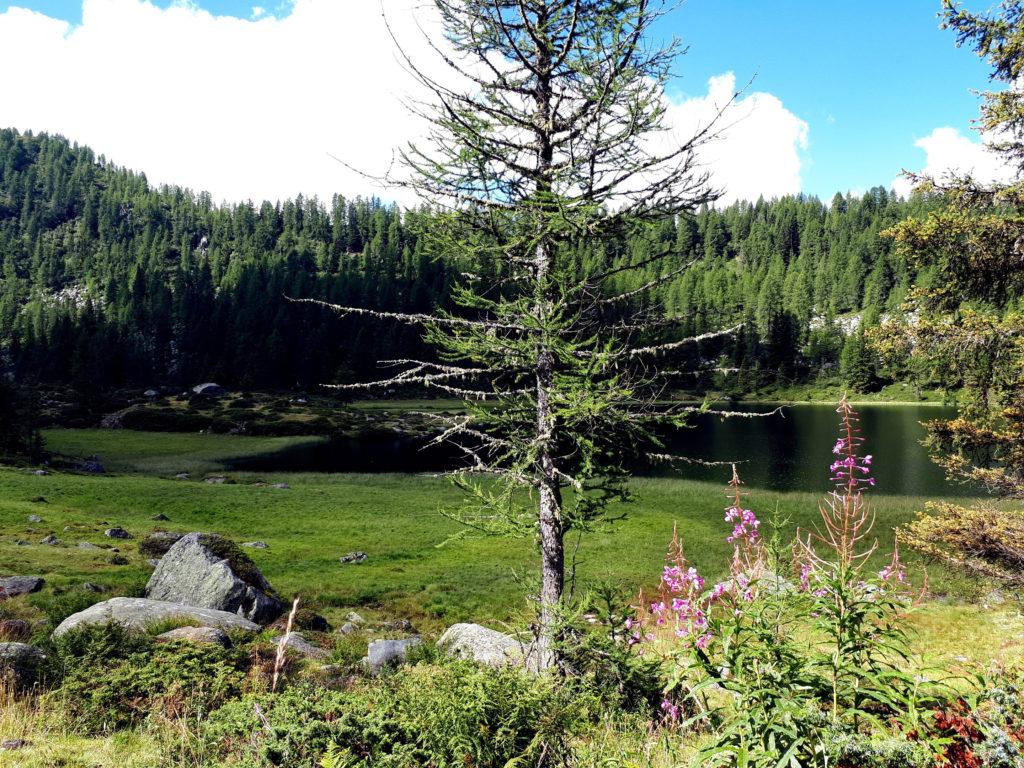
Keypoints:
(110, 282)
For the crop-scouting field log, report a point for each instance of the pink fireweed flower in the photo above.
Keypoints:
(671, 710)
(703, 640)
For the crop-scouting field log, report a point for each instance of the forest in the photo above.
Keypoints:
(111, 282)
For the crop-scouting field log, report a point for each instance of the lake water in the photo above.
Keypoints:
(790, 450)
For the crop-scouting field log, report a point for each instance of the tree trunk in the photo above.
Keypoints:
(552, 548)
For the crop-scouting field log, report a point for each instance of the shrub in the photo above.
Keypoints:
(115, 678)
(442, 716)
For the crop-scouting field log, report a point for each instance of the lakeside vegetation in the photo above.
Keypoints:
(170, 606)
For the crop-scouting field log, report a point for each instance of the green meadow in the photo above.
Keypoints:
(420, 564)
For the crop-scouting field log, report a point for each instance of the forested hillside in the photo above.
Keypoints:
(108, 281)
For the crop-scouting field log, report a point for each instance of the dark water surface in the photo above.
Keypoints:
(786, 451)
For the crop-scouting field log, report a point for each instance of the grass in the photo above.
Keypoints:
(163, 453)
(411, 572)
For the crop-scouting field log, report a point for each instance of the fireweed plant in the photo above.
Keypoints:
(776, 668)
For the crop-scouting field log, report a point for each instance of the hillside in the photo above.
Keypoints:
(110, 282)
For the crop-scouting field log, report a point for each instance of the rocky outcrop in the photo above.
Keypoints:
(139, 613)
(208, 571)
(13, 586)
(486, 646)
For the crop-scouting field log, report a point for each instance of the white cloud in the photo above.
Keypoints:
(758, 149)
(252, 108)
(949, 151)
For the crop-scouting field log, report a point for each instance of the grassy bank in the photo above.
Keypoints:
(414, 569)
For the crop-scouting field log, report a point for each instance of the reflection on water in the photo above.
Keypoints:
(790, 450)
(793, 449)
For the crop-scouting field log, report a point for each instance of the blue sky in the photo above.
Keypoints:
(866, 81)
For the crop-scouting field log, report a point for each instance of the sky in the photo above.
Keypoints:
(252, 101)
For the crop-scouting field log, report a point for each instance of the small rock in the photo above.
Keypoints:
(21, 543)
(384, 653)
(13, 586)
(995, 597)
(218, 480)
(353, 557)
(88, 586)
(348, 628)
(117, 533)
(93, 466)
(13, 744)
(35, 519)
(398, 625)
(183, 476)
(296, 642)
(66, 528)
(151, 393)
(41, 473)
(281, 486)
(15, 630)
(255, 544)
(52, 540)
(160, 517)
(211, 635)
(23, 660)
(355, 618)
(87, 545)
(119, 560)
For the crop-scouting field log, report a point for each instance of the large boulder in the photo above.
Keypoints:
(139, 613)
(209, 571)
(22, 661)
(13, 586)
(209, 389)
(486, 646)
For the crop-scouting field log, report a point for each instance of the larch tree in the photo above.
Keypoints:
(548, 147)
(966, 320)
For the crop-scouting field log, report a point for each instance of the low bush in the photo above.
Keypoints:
(444, 716)
(113, 678)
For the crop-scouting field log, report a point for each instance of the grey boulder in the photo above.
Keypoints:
(35, 519)
(23, 660)
(385, 653)
(208, 635)
(209, 571)
(353, 557)
(13, 586)
(117, 532)
(485, 646)
(139, 613)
